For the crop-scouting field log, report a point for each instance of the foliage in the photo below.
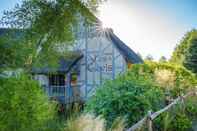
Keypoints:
(185, 52)
(191, 56)
(141, 89)
(149, 58)
(172, 122)
(181, 123)
(131, 96)
(47, 24)
(175, 119)
(163, 59)
(172, 78)
(181, 49)
(13, 53)
(23, 105)
(191, 107)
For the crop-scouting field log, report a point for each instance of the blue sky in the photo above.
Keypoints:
(150, 26)
(7, 4)
(147, 26)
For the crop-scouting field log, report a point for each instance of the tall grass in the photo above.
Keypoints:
(165, 78)
(88, 122)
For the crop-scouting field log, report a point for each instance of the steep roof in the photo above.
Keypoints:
(126, 51)
(64, 65)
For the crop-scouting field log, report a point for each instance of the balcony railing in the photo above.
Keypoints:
(55, 91)
(64, 93)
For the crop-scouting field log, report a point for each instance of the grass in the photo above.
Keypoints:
(88, 122)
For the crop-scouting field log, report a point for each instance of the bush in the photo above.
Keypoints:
(130, 96)
(175, 119)
(23, 105)
(177, 80)
(191, 107)
(172, 78)
(141, 89)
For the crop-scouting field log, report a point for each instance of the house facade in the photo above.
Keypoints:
(97, 55)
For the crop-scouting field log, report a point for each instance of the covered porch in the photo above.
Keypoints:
(63, 88)
(60, 83)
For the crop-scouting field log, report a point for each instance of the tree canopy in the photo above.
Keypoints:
(48, 23)
(191, 56)
(149, 57)
(186, 52)
(163, 59)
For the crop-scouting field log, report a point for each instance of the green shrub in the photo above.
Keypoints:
(172, 78)
(176, 119)
(141, 89)
(181, 123)
(130, 96)
(23, 105)
(191, 107)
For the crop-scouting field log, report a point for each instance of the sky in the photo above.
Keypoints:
(147, 26)
(150, 26)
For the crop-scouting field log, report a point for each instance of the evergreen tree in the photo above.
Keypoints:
(163, 59)
(186, 52)
(180, 50)
(191, 56)
(149, 58)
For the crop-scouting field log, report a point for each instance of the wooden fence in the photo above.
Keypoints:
(148, 119)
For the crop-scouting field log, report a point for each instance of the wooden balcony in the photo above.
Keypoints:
(63, 94)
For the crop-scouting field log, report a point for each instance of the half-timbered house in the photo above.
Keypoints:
(97, 55)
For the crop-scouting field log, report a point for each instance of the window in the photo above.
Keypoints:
(57, 80)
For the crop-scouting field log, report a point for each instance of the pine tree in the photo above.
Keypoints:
(149, 57)
(163, 59)
(181, 49)
(191, 56)
(186, 52)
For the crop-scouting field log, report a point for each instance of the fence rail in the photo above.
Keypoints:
(151, 116)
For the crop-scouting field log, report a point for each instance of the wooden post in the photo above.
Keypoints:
(183, 103)
(149, 121)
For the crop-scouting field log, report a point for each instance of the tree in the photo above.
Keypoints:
(149, 58)
(13, 52)
(185, 53)
(191, 56)
(163, 59)
(48, 23)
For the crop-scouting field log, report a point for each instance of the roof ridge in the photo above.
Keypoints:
(125, 50)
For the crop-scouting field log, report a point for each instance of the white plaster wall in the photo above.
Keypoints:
(99, 66)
